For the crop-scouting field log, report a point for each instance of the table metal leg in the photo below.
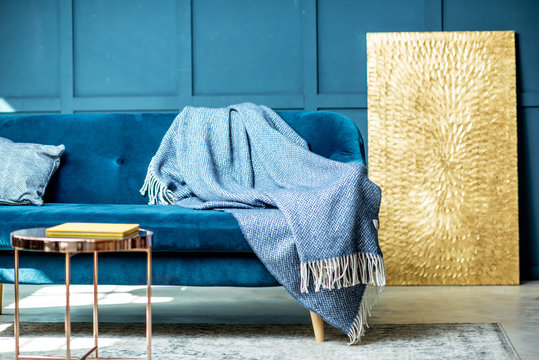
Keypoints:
(17, 324)
(68, 312)
(96, 314)
(1, 296)
(95, 310)
(149, 304)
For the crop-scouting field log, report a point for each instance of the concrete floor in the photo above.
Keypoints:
(515, 307)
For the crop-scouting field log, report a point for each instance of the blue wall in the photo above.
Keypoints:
(143, 55)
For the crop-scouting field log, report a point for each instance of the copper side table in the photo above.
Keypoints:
(36, 240)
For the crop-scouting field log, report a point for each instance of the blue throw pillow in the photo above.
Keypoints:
(25, 171)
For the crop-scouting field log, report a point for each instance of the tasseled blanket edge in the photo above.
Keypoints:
(344, 271)
(158, 193)
(370, 296)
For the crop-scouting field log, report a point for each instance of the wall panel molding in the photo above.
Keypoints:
(310, 98)
(126, 103)
(352, 101)
(32, 104)
(309, 27)
(125, 48)
(185, 52)
(66, 56)
(247, 47)
(29, 49)
(273, 101)
(434, 15)
(529, 99)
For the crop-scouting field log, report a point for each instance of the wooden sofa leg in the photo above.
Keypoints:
(318, 327)
(1, 297)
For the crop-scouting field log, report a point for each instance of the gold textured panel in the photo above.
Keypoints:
(443, 148)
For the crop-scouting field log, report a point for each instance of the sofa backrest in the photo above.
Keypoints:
(107, 154)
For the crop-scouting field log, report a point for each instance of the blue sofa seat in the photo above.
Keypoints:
(175, 228)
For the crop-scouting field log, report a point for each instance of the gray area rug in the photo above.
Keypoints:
(241, 342)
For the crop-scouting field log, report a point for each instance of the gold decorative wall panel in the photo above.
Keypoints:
(443, 148)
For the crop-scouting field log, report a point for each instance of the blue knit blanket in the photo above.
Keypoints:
(311, 221)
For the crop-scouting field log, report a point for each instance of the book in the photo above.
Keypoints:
(94, 230)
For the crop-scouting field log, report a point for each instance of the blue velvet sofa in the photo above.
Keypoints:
(101, 172)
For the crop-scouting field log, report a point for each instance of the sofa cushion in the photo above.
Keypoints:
(25, 171)
(175, 228)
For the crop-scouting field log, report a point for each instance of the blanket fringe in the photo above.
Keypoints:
(158, 193)
(344, 271)
(372, 292)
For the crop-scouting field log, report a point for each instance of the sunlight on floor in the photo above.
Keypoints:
(82, 295)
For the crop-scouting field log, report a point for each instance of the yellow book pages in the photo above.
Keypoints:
(92, 229)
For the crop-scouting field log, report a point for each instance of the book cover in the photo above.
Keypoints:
(104, 230)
